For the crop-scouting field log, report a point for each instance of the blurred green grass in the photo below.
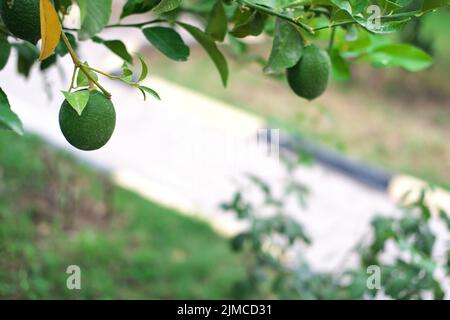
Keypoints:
(55, 212)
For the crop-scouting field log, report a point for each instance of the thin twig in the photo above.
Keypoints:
(135, 25)
(103, 73)
(72, 83)
(332, 36)
(82, 67)
(343, 23)
(387, 17)
(276, 14)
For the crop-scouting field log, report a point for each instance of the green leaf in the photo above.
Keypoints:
(116, 46)
(77, 100)
(351, 33)
(5, 51)
(359, 5)
(47, 63)
(287, 48)
(445, 217)
(61, 48)
(343, 4)
(144, 67)
(400, 55)
(82, 80)
(166, 6)
(28, 55)
(340, 67)
(94, 16)
(146, 90)
(168, 41)
(434, 4)
(8, 119)
(217, 23)
(253, 26)
(63, 5)
(439, 293)
(238, 241)
(209, 45)
(384, 27)
(138, 6)
(388, 6)
(237, 46)
(127, 74)
(340, 16)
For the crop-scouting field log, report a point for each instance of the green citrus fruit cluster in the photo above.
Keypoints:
(93, 128)
(309, 77)
(22, 18)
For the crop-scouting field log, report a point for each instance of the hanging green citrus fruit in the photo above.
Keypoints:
(94, 127)
(22, 18)
(309, 77)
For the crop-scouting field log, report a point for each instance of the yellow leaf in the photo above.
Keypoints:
(50, 29)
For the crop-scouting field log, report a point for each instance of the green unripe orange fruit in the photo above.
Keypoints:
(309, 77)
(94, 127)
(22, 18)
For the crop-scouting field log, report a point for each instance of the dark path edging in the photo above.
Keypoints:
(373, 177)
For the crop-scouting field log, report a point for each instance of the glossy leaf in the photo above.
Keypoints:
(78, 100)
(400, 55)
(217, 22)
(168, 41)
(5, 51)
(434, 4)
(94, 16)
(138, 6)
(150, 91)
(61, 48)
(340, 67)
(82, 80)
(287, 48)
(8, 119)
(211, 48)
(343, 4)
(383, 27)
(127, 73)
(252, 26)
(166, 6)
(144, 67)
(28, 55)
(117, 47)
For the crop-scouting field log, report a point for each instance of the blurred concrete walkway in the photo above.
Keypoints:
(189, 151)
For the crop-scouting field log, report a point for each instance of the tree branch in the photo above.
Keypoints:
(276, 14)
(82, 67)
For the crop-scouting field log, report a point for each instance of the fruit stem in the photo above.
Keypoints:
(72, 53)
(92, 80)
(83, 67)
(332, 36)
(72, 83)
(335, 25)
(134, 25)
(306, 42)
(103, 73)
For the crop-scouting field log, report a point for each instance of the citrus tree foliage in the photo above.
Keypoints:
(401, 247)
(344, 28)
